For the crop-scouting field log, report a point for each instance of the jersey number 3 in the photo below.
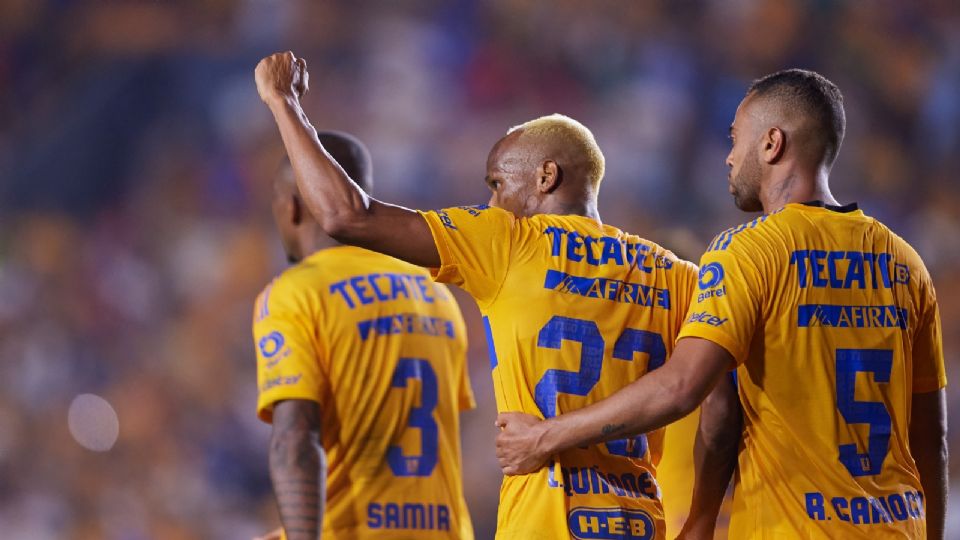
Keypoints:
(420, 418)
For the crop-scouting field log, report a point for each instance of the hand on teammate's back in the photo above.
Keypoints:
(517, 443)
(282, 75)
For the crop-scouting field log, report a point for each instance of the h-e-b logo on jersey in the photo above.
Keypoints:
(711, 276)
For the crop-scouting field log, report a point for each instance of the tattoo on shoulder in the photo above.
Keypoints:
(610, 429)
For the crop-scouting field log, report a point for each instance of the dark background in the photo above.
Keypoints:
(135, 163)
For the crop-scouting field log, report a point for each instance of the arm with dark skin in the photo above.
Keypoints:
(715, 458)
(928, 445)
(344, 211)
(297, 468)
(651, 402)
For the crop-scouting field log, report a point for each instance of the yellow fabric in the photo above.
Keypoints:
(375, 343)
(832, 320)
(573, 311)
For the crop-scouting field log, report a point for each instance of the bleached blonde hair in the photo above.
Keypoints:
(557, 130)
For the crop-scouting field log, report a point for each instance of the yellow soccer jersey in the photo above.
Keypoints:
(382, 350)
(833, 322)
(573, 311)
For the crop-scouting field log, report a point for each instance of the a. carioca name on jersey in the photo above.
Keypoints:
(602, 250)
(386, 286)
(844, 269)
(866, 510)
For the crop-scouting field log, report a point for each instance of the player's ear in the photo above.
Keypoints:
(549, 176)
(774, 143)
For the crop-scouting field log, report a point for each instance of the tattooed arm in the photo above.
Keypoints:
(298, 468)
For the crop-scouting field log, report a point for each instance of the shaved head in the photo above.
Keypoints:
(347, 150)
(809, 101)
(299, 231)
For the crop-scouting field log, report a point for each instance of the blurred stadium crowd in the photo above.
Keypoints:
(135, 161)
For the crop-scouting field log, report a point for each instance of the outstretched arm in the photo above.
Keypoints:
(298, 468)
(651, 402)
(928, 444)
(344, 211)
(715, 457)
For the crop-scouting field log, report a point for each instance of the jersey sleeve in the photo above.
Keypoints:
(727, 301)
(475, 244)
(289, 364)
(929, 373)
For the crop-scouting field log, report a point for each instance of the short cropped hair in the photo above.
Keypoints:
(352, 155)
(568, 133)
(814, 96)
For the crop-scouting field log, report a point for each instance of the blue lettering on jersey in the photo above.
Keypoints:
(366, 289)
(840, 316)
(446, 220)
(707, 318)
(288, 380)
(584, 480)
(865, 510)
(474, 210)
(603, 250)
(662, 262)
(610, 524)
(406, 323)
(608, 289)
(901, 274)
(711, 274)
(847, 269)
(422, 516)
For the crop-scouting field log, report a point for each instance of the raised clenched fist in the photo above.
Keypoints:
(281, 75)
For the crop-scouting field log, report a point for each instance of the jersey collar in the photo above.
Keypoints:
(845, 209)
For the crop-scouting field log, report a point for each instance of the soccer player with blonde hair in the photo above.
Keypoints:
(573, 308)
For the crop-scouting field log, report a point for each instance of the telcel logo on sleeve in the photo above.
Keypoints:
(610, 524)
(706, 318)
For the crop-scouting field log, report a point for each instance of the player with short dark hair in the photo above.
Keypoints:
(573, 308)
(831, 320)
(361, 368)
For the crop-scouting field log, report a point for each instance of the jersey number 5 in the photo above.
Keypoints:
(420, 418)
(849, 363)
